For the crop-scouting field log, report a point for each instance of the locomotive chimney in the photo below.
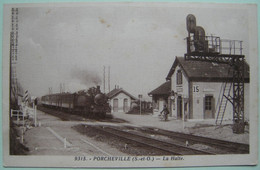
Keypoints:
(98, 89)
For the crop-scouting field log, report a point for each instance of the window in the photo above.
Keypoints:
(208, 102)
(179, 77)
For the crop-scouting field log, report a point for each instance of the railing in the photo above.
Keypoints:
(24, 112)
(17, 114)
(232, 47)
(213, 45)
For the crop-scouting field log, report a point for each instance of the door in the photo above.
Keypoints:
(179, 107)
(115, 105)
(186, 114)
(209, 107)
(125, 107)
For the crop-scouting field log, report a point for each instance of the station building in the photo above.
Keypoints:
(193, 90)
(120, 100)
(160, 96)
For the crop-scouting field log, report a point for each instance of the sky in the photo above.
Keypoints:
(72, 44)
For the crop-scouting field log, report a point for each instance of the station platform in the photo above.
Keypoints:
(52, 136)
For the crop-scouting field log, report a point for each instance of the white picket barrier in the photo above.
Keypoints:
(25, 112)
(17, 114)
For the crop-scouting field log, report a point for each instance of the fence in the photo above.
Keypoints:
(25, 111)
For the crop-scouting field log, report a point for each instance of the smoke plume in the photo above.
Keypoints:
(86, 77)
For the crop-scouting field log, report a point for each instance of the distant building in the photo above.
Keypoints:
(195, 89)
(120, 100)
(160, 96)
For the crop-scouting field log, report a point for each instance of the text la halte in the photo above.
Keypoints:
(128, 158)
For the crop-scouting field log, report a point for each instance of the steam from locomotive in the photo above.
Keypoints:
(85, 76)
(90, 104)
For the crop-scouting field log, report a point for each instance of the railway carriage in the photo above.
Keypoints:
(81, 103)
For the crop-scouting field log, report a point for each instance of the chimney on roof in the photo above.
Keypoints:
(116, 86)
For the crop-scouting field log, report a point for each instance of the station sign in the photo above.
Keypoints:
(195, 89)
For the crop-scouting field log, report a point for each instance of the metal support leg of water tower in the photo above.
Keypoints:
(238, 95)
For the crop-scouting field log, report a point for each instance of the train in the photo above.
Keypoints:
(89, 104)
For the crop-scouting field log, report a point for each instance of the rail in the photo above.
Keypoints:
(164, 146)
(222, 144)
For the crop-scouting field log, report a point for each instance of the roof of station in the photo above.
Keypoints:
(116, 91)
(163, 89)
(206, 71)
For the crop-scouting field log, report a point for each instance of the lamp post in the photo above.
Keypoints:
(140, 97)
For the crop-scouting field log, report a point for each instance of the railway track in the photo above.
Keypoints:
(163, 146)
(229, 147)
(61, 114)
(220, 146)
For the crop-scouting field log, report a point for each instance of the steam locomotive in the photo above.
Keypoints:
(90, 104)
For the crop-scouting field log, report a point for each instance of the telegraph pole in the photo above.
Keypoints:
(108, 78)
(13, 58)
(104, 78)
(140, 98)
(50, 90)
